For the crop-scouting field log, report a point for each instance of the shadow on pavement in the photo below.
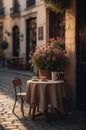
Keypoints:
(2, 127)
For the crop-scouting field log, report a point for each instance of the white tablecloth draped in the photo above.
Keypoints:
(44, 93)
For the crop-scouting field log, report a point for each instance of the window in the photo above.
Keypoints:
(29, 3)
(56, 24)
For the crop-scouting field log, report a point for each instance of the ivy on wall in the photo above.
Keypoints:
(58, 5)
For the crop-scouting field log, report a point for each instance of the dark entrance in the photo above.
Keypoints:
(16, 41)
(30, 36)
(81, 55)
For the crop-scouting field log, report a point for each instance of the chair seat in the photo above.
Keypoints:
(21, 94)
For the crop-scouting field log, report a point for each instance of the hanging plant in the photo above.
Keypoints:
(58, 5)
(4, 45)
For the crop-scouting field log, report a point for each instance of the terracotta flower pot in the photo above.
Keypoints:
(46, 73)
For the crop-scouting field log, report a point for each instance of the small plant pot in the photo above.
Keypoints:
(46, 73)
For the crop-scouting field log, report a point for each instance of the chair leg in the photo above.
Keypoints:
(14, 106)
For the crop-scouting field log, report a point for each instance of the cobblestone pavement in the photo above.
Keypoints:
(10, 121)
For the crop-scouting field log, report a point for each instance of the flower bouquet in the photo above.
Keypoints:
(50, 57)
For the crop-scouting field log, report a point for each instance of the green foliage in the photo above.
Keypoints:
(9, 61)
(58, 5)
(4, 45)
(57, 42)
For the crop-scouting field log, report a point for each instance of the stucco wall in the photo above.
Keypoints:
(38, 11)
(71, 52)
(8, 23)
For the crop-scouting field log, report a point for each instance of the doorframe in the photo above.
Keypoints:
(77, 51)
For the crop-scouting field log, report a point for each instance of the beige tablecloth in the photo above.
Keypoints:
(44, 93)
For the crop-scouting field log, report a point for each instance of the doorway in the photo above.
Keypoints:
(16, 41)
(81, 55)
(30, 36)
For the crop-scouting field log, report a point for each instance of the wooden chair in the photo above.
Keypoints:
(17, 83)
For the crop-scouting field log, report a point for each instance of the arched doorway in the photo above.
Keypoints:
(16, 41)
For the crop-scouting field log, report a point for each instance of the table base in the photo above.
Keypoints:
(48, 113)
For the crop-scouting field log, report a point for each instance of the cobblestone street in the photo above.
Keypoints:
(10, 121)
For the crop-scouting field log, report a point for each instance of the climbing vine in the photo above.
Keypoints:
(58, 5)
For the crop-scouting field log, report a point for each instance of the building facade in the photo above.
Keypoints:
(31, 23)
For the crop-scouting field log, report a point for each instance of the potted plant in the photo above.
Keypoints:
(9, 63)
(4, 44)
(50, 57)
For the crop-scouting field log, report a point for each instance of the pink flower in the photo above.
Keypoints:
(48, 58)
(49, 47)
(51, 39)
(53, 58)
(40, 55)
(36, 53)
(43, 55)
(50, 55)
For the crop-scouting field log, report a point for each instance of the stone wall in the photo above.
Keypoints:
(71, 52)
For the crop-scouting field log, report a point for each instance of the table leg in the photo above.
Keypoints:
(33, 110)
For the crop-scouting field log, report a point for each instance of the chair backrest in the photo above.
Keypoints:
(17, 83)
